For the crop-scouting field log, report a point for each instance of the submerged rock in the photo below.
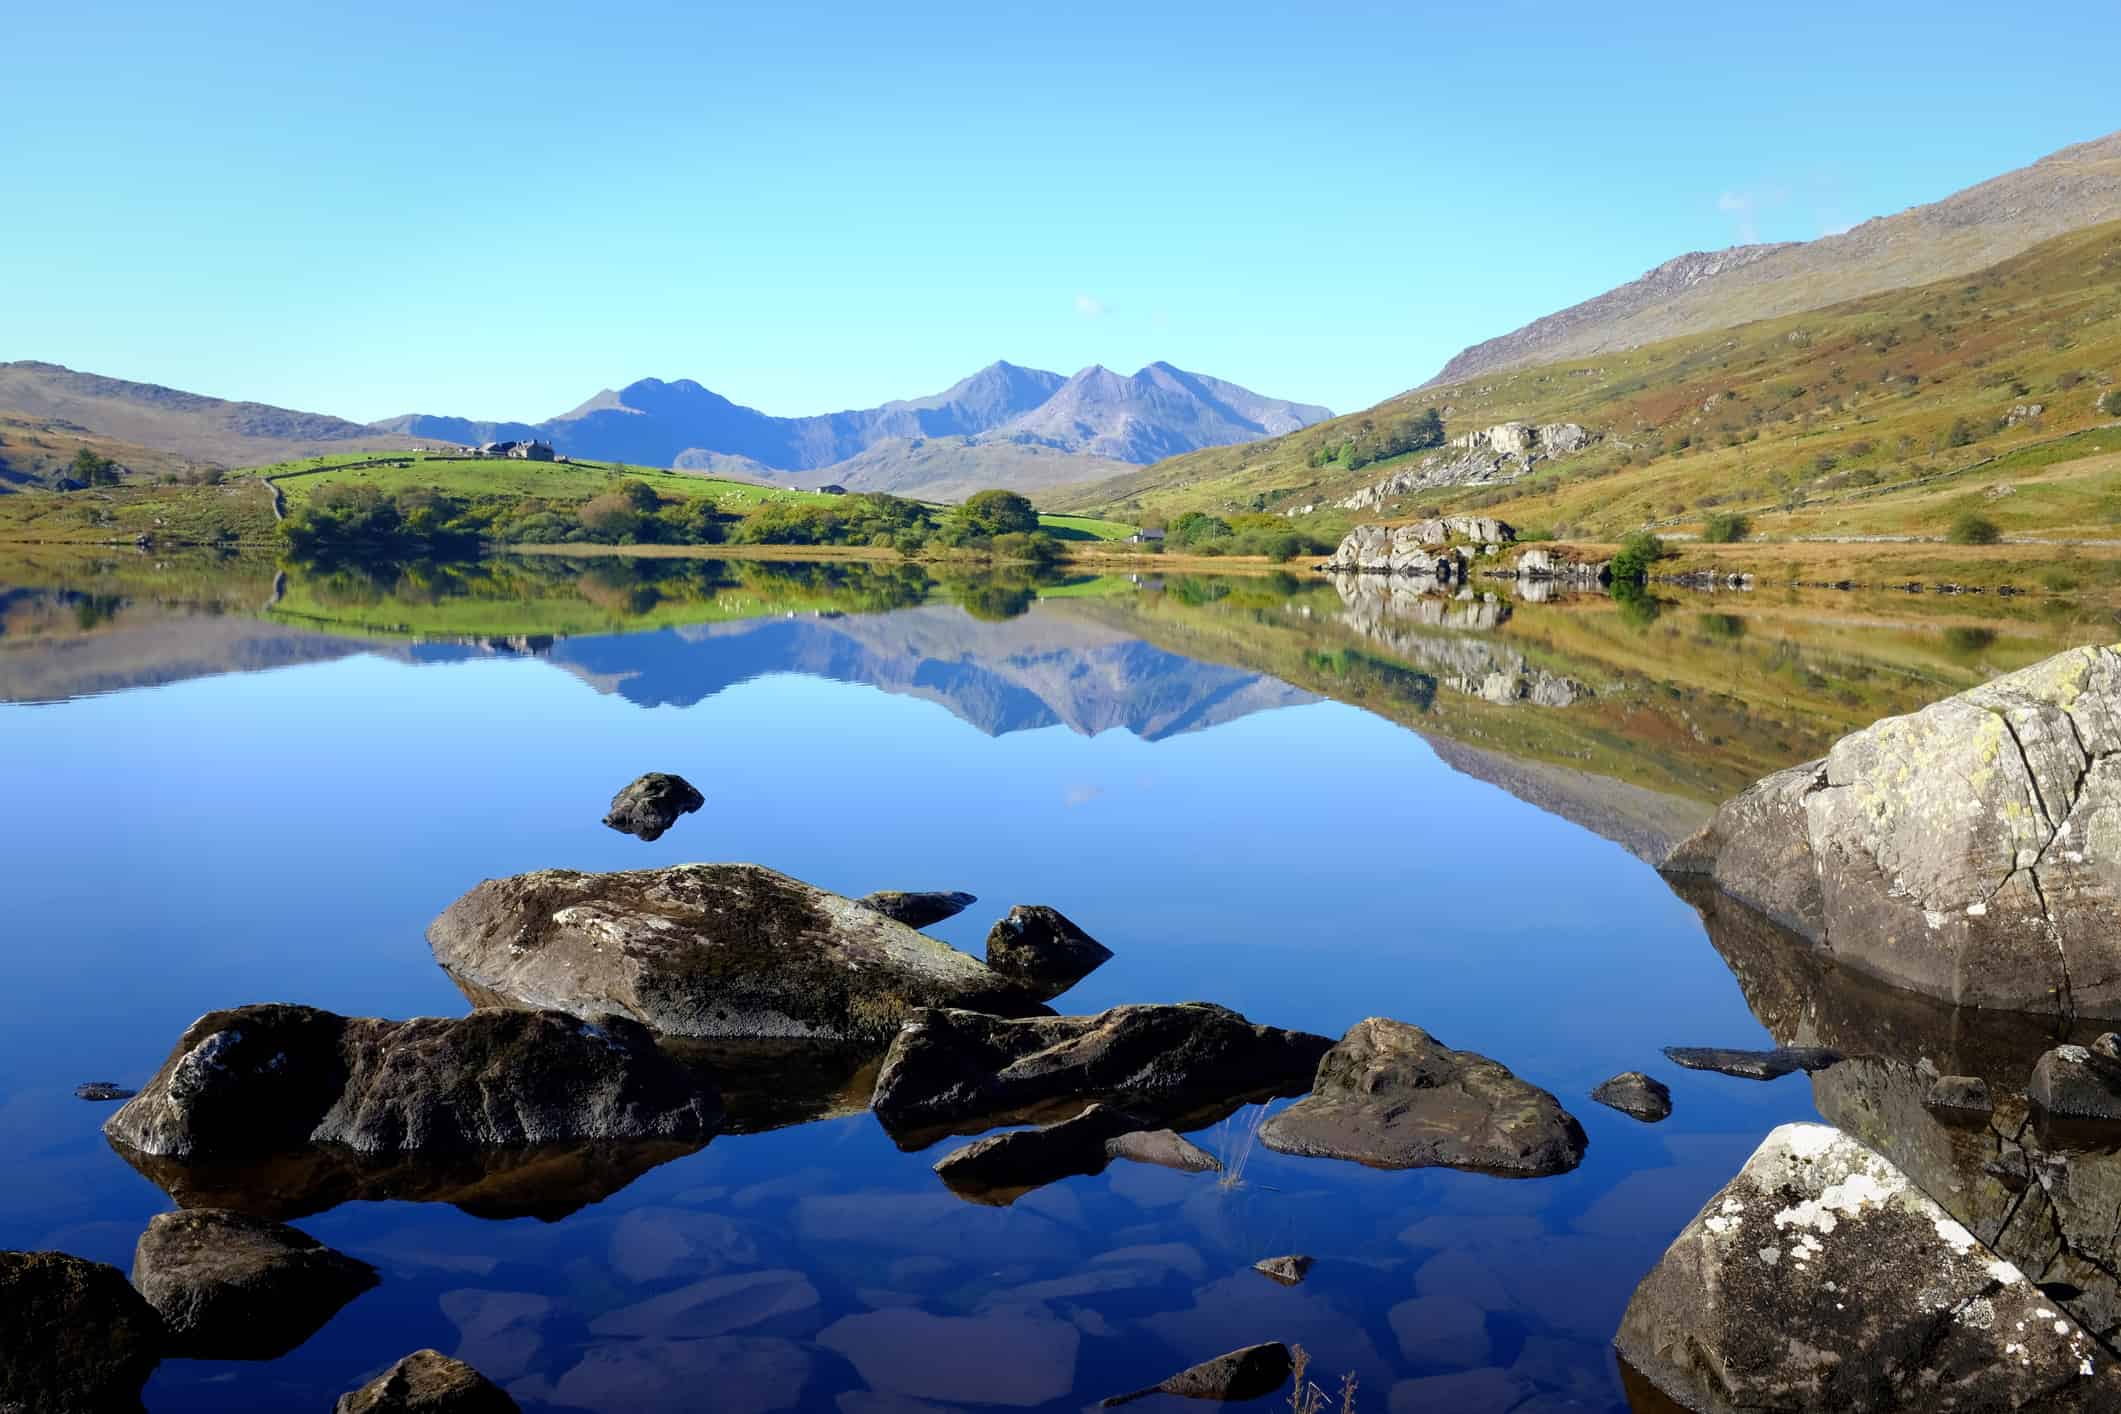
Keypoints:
(1242, 1374)
(1003, 1167)
(707, 950)
(918, 909)
(2075, 1082)
(1038, 947)
(1971, 850)
(1753, 1065)
(948, 1069)
(1288, 1270)
(271, 1078)
(652, 804)
(427, 1382)
(1633, 1093)
(230, 1287)
(102, 1091)
(74, 1338)
(1821, 1279)
(1392, 1096)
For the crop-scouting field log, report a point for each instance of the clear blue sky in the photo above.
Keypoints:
(498, 210)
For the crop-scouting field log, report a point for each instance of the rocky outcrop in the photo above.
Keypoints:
(962, 1072)
(707, 950)
(1970, 851)
(918, 909)
(1392, 1096)
(1377, 549)
(1042, 951)
(1633, 1093)
(652, 804)
(427, 1382)
(230, 1287)
(75, 1339)
(1557, 566)
(1001, 1168)
(261, 1080)
(1822, 1279)
(1497, 454)
(1249, 1373)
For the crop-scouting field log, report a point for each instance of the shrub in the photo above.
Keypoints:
(1971, 528)
(999, 513)
(1725, 527)
(2111, 403)
(1637, 553)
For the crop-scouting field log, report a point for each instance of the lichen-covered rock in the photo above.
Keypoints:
(918, 908)
(1633, 1093)
(707, 950)
(652, 804)
(74, 1338)
(1821, 1279)
(1243, 1374)
(1390, 1095)
(1971, 850)
(231, 1287)
(1039, 948)
(267, 1079)
(427, 1382)
(960, 1071)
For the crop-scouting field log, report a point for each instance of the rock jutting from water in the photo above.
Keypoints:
(918, 908)
(427, 1382)
(1001, 1168)
(231, 1287)
(1243, 1374)
(1288, 1270)
(1633, 1093)
(1041, 950)
(652, 804)
(1390, 1095)
(1753, 1065)
(701, 950)
(101, 1092)
(1970, 851)
(1821, 1279)
(74, 1337)
(267, 1079)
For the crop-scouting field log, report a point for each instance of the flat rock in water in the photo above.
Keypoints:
(2076, 1082)
(1753, 1065)
(1040, 948)
(271, 1078)
(427, 1382)
(706, 950)
(1242, 1374)
(74, 1338)
(918, 909)
(1633, 1093)
(1821, 1279)
(102, 1091)
(1288, 1270)
(951, 1068)
(652, 804)
(1003, 1167)
(1392, 1096)
(231, 1287)
(1165, 1148)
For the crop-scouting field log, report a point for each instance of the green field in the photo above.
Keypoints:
(558, 481)
(1064, 527)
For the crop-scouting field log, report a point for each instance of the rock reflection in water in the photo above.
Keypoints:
(1397, 614)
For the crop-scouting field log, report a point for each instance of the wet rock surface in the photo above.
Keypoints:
(1633, 1093)
(267, 1079)
(1039, 948)
(1249, 1373)
(427, 1382)
(1001, 1168)
(2076, 1082)
(1822, 1279)
(1392, 1096)
(74, 1337)
(1753, 1065)
(231, 1287)
(652, 804)
(918, 909)
(703, 950)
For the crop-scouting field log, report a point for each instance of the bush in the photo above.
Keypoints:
(999, 513)
(1725, 527)
(2111, 403)
(1973, 529)
(1637, 553)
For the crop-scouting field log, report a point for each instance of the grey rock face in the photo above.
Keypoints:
(960, 1071)
(75, 1339)
(427, 1382)
(1633, 1093)
(707, 950)
(1376, 549)
(1753, 1065)
(1249, 1373)
(1821, 1279)
(230, 1287)
(1392, 1096)
(652, 804)
(917, 909)
(1971, 851)
(2076, 1082)
(268, 1079)
(1038, 948)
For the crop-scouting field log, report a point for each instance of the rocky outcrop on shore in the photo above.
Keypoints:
(74, 1337)
(702, 950)
(232, 1287)
(1970, 851)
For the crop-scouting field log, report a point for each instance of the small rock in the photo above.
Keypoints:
(428, 1382)
(75, 1339)
(1242, 1374)
(1753, 1065)
(1287, 1270)
(231, 1287)
(1038, 947)
(1002, 1167)
(918, 909)
(1633, 1093)
(2108, 1044)
(101, 1091)
(1165, 1148)
(2077, 1083)
(652, 804)
(1960, 1092)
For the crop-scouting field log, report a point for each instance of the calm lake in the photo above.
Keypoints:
(1306, 801)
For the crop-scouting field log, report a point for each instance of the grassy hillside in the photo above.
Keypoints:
(236, 512)
(1884, 416)
(36, 451)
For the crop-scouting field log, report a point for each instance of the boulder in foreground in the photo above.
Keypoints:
(1242, 1374)
(427, 1382)
(706, 950)
(74, 1338)
(1820, 1279)
(652, 804)
(270, 1079)
(230, 1287)
(1392, 1096)
(918, 908)
(1039, 948)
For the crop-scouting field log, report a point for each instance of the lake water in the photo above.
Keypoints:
(1306, 802)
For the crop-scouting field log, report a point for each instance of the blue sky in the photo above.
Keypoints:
(495, 211)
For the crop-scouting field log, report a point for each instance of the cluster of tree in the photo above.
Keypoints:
(1637, 554)
(1724, 527)
(1373, 440)
(91, 469)
(998, 523)
(1245, 533)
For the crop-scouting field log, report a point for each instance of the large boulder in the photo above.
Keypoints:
(963, 1072)
(707, 950)
(652, 804)
(267, 1079)
(427, 1382)
(74, 1338)
(1821, 1279)
(231, 1287)
(918, 908)
(1392, 1096)
(1041, 950)
(1970, 851)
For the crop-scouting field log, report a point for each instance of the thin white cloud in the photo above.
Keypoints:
(1081, 795)
(1089, 306)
